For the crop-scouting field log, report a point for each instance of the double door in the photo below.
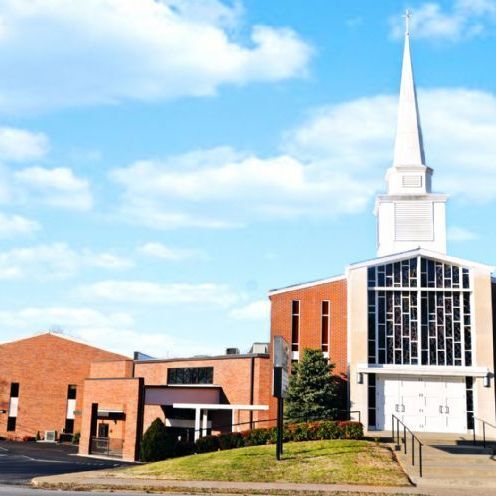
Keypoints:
(425, 404)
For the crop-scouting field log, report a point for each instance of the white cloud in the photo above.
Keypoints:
(459, 127)
(256, 310)
(164, 252)
(465, 19)
(114, 331)
(12, 225)
(456, 233)
(144, 292)
(55, 260)
(108, 51)
(20, 145)
(332, 164)
(57, 187)
(233, 190)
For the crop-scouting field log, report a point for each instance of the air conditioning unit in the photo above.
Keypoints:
(50, 436)
(232, 351)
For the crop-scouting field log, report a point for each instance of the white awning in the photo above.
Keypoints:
(216, 406)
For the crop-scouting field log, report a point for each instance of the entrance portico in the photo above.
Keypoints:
(201, 413)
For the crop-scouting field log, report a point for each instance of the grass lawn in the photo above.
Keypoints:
(333, 461)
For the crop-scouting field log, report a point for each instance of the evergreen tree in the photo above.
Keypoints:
(312, 391)
(157, 443)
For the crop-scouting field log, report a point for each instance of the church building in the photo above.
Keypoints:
(411, 331)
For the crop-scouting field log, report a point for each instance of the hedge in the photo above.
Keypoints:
(303, 431)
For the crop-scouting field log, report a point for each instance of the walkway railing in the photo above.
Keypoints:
(106, 446)
(338, 417)
(396, 437)
(484, 424)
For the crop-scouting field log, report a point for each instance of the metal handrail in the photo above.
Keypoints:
(484, 423)
(403, 439)
(286, 422)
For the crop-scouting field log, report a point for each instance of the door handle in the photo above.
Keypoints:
(396, 408)
(446, 409)
(440, 408)
(403, 408)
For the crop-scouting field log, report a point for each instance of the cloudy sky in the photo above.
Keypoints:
(164, 163)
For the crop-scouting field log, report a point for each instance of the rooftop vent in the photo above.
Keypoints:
(262, 348)
(232, 351)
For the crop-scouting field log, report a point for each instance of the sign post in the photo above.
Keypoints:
(280, 384)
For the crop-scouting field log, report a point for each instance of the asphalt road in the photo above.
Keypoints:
(20, 462)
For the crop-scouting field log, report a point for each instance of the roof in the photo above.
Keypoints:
(204, 358)
(59, 335)
(304, 285)
(421, 252)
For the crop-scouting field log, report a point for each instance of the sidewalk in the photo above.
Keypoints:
(103, 480)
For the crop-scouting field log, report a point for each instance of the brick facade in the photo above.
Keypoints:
(44, 366)
(310, 330)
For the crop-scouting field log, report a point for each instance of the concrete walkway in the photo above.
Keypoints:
(451, 462)
(93, 481)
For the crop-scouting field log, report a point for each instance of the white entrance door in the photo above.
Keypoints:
(426, 404)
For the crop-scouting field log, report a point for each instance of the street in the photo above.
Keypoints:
(27, 491)
(20, 462)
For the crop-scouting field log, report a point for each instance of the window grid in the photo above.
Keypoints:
(295, 325)
(419, 312)
(325, 324)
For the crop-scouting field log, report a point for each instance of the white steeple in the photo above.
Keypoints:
(409, 216)
(409, 148)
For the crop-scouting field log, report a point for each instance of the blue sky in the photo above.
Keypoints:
(163, 164)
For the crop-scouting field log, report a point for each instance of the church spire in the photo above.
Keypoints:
(409, 148)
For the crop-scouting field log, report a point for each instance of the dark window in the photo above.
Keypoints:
(190, 375)
(326, 310)
(71, 392)
(11, 424)
(103, 430)
(14, 390)
(469, 382)
(295, 325)
(69, 426)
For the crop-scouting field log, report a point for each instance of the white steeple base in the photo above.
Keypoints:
(406, 222)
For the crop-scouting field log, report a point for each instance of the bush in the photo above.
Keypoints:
(207, 444)
(230, 441)
(184, 448)
(76, 437)
(329, 429)
(257, 437)
(351, 430)
(157, 444)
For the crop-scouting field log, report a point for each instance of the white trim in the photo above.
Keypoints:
(216, 406)
(184, 423)
(421, 252)
(306, 285)
(425, 370)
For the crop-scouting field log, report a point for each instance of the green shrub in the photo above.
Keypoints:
(257, 437)
(207, 444)
(157, 443)
(230, 440)
(351, 430)
(329, 429)
(76, 437)
(184, 448)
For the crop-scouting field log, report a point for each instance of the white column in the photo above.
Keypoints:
(197, 423)
(204, 423)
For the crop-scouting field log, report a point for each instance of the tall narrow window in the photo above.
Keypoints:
(295, 325)
(71, 406)
(325, 325)
(13, 406)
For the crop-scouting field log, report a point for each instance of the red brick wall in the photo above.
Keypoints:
(44, 366)
(232, 374)
(118, 394)
(111, 368)
(310, 320)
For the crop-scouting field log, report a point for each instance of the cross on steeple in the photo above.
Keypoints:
(407, 15)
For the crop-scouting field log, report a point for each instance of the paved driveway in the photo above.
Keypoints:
(20, 462)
